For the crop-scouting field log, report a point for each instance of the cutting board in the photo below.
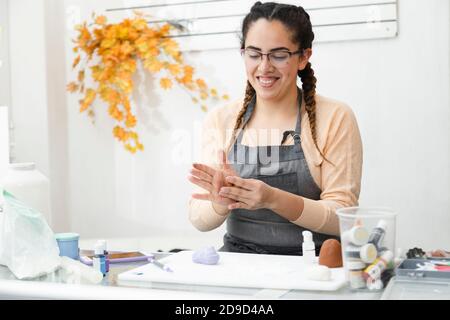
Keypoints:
(235, 270)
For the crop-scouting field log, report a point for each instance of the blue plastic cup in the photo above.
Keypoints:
(68, 245)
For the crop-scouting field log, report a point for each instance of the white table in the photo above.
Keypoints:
(53, 287)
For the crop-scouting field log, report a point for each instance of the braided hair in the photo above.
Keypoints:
(297, 20)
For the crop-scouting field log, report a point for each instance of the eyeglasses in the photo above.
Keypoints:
(277, 58)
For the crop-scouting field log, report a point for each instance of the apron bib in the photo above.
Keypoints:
(283, 167)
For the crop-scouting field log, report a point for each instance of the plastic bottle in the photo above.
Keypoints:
(30, 186)
(378, 233)
(99, 260)
(308, 248)
(375, 270)
(105, 252)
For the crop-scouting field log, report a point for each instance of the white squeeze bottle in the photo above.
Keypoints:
(30, 186)
(308, 248)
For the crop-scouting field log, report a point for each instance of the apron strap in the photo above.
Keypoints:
(247, 115)
(295, 134)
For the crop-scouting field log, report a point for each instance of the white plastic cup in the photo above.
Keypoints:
(369, 218)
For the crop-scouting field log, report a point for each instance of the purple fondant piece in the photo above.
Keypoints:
(206, 255)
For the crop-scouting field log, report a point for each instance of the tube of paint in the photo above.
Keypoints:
(99, 260)
(375, 270)
(367, 253)
(355, 274)
(378, 233)
(357, 235)
(391, 264)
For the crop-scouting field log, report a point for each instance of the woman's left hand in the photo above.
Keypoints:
(250, 194)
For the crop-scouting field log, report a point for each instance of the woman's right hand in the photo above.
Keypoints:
(212, 180)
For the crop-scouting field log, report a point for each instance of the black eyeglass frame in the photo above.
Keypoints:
(291, 53)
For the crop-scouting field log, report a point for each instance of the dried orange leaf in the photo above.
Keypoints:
(115, 112)
(174, 69)
(203, 95)
(188, 70)
(72, 87)
(165, 83)
(88, 99)
(100, 20)
(76, 61)
(81, 76)
(201, 84)
(130, 121)
(153, 65)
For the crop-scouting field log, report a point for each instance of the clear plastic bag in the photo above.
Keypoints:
(27, 243)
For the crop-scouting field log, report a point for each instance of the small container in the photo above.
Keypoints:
(357, 235)
(68, 245)
(381, 226)
(367, 253)
(355, 274)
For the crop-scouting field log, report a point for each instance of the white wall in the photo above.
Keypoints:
(398, 88)
(4, 140)
(57, 113)
(4, 88)
(28, 83)
(4, 55)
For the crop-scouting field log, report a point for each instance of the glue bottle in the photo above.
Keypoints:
(308, 248)
(99, 260)
(105, 252)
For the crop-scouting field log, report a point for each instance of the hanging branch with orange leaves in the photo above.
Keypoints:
(119, 47)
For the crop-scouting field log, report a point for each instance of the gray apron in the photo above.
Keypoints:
(283, 167)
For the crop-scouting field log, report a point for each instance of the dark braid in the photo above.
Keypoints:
(309, 92)
(297, 20)
(249, 94)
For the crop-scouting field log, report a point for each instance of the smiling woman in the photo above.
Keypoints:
(293, 157)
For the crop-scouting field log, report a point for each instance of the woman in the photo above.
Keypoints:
(288, 157)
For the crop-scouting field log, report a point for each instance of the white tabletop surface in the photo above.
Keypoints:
(54, 287)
